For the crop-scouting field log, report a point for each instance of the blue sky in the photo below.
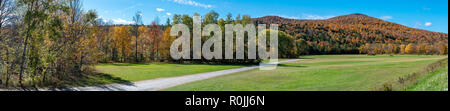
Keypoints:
(424, 14)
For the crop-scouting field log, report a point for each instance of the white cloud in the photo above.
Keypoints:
(160, 9)
(286, 16)
(290, 17)
(192, 3)
(316, 17)
(168, 13)
(121, 21)
(419, 24)
(103, 19)
(386, 17)
(133, 6)
(428, 24)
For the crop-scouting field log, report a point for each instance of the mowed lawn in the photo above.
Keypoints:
(319, 73)
(138, 72)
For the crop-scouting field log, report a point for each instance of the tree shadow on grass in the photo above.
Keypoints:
(97, 80)
(309, 58)
(92, 80)
(127, 64)
(291, 65)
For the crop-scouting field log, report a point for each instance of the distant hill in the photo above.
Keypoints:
(348, 33)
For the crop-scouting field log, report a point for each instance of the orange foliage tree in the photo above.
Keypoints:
(166, 42)
(122, 42)
(155, 40)
(410, 49)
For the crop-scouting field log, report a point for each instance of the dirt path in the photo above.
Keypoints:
(162, 83)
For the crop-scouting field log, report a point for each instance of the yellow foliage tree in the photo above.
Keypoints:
(166, 43)
(410, 49)
(143, 41)
(402, 49)
(420, 48)
(122, 41)
(443, 48)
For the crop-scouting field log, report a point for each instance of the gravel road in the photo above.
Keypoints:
(162, 83)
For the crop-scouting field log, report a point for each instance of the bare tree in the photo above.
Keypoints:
(6, 15)
(137, 22)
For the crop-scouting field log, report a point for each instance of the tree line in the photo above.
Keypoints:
(47, 42)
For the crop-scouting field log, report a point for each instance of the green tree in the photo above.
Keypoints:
(168, 23)
(7, 9)
(187, 20)
(39, 17)
(286, 45)
(176, 19)
(238, 19)
(229, 18)
(302, 47)
(211, 17)
(246, 19)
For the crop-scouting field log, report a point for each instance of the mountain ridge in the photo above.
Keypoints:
(273, 19)
(357, 33)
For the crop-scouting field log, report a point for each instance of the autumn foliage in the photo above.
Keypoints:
(49, 42)
(358, 33)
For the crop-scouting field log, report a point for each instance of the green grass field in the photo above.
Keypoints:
(138, 72)
(435, 81)
(320, 73)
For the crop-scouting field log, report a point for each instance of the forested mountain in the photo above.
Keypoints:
(358, 33)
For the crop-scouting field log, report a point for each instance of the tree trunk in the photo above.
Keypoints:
(123, 54)
(137, 34)
(22, 65)
(44, 78)
(114, 54)
(7, 68)
(81, 63)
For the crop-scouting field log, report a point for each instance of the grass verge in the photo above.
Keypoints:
(436, 80)
(319, 73)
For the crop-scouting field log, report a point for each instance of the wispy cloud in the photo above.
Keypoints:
(305, 16)
(160, 9)
(315, 17)
(192, 3)
(289, 17)
(134, 6)
(121, 21)
(168, 14)
(428, 24)
(386, 17)
(103, 19)
(419, 24)
(426, 8)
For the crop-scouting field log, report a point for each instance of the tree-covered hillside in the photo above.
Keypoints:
(358, 33)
